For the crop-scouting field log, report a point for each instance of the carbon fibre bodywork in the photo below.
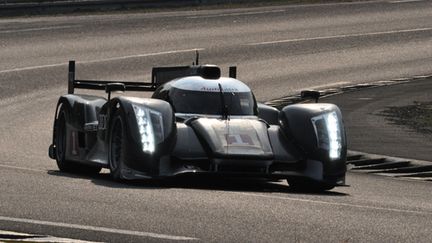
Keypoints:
(232, 135)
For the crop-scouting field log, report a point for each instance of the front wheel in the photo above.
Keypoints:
(61, 138)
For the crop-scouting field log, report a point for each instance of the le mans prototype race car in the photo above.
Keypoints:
(197, 122)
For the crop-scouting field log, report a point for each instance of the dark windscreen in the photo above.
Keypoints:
(198, 102)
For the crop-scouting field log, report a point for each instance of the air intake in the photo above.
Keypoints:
(209, 71)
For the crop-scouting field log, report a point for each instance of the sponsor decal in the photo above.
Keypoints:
(102, 122)
(239, 139)
(216, 89)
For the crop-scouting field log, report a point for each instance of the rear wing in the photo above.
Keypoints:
(160, 75)
(101, 85)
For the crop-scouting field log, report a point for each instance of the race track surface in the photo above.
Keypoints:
(279, 50)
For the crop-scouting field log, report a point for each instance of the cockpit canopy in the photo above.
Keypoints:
(196, 95)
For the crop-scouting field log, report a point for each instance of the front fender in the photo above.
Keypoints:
(159, 118)
(319, 131)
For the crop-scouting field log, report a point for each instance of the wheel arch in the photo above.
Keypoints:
(298, 123)
(69, 104)
(137, 159)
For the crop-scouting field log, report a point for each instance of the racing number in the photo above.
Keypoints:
(102, 122)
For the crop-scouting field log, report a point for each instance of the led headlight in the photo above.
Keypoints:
(150, 127)
(328, 132)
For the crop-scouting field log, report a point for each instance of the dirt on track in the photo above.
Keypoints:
(417, 116)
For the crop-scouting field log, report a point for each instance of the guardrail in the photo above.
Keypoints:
(61, 1)
(65, 1)
(34, 7)
(37, 1)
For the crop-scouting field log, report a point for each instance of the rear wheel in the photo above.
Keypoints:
(304, 185)
(61, 144)
(116, 146)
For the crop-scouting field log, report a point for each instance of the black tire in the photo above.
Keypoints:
(304, 185)
(61, 145)
(116, 149)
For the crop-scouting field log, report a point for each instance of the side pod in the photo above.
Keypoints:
(268, 114)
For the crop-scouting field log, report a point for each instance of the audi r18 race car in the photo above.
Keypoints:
(197, 122)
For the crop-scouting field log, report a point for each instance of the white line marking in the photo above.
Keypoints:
(40, 238)
(316, 5)
(38, 29)
(336, 84)
(406, 1)
(335, 203)
(33, 67)
(142, 55)
(21, 168)
(339, 36)
(236, 14)
(98, 229)
(100, 60)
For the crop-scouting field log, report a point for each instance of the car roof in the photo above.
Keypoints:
(197, 83)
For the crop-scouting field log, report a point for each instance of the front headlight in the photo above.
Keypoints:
(328, 132)
(150, 127)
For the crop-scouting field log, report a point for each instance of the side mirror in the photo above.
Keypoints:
(310, 94)
(110, 87)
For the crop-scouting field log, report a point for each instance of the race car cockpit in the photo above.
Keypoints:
(196, 95)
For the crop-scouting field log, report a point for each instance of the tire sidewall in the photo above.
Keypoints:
(61, 134)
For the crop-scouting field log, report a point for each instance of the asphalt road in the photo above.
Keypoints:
(279, 51)
(367, 127)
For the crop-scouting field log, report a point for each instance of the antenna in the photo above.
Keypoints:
(225, 112)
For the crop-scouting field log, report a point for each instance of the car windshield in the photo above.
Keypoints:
(210, 103)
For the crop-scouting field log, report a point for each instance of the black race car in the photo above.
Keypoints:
(197, 122)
